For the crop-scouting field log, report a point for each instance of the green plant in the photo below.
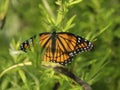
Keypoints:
(91, 19)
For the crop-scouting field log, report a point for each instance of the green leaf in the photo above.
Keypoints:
(73, 2)
(69, 23)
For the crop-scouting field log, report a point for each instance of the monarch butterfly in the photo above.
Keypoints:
(59, 47)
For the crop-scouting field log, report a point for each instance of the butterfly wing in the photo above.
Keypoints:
(66, 46)
(72, 45)
(27, 43)
(75, 44)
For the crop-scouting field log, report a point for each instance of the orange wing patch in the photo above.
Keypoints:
(61, 52)
(68, 41)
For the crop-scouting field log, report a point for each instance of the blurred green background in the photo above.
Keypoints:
(96, 20)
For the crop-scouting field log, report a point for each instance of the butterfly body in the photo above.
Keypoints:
(60, 47)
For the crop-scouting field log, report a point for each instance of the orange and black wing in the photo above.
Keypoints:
(60, 47)
(27, 43)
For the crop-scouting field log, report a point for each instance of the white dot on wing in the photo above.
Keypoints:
(74, 52)
(65, 61)
(82, 51)
(85, 48)
(71, 54)
(79, 38)
(78, 41)
(89, 43)
(62, 63)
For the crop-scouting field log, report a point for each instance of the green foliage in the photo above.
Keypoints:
(96, 20)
